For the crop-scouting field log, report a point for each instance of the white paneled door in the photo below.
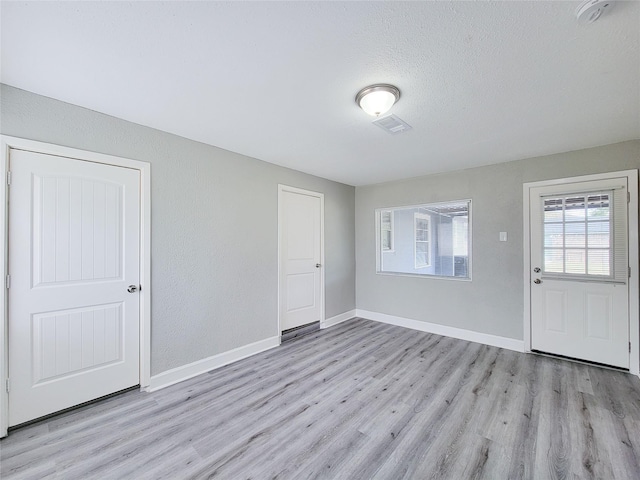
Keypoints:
(580, 271)
(300, 257)
(74, 229)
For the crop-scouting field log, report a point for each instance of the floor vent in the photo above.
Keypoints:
(392, 124)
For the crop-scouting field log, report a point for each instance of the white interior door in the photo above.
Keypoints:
(580, 271)
(300, 258)
(74, 229)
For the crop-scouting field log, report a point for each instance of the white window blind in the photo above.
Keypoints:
(585, 234)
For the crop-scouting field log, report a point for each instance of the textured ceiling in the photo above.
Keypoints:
(482, 82)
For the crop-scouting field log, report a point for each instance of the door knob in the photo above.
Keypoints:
(537, 269)
(537, 281)
(318, 265)
(132, 289)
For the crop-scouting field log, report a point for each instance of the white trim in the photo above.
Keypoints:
(6, 144)
(634, 300)
(445, 330)
(185, 372)
(343, 317)
(634, 279)
(4, 330)
(286, 188)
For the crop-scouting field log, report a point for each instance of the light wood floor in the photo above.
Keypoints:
(357, 401)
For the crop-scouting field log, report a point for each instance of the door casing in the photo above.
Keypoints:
(8, 143)
(281, 190)
(632, 241)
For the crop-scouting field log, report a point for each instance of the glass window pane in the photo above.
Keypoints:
(599, 235)
(553, 235)
(574, 209)
(575, 261)
(553, 261)
(460, 236)
(553, 209)
(574, 235)
(577, 231)
(598, 207)
(386, 240)
(430, 239)
(599, 262)
(386, 220)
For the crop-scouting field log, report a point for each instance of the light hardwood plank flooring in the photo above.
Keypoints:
(361, 400)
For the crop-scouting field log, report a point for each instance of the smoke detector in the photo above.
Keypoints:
(592, 10)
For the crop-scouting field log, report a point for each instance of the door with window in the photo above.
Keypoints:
(580, 271)
(74, 233)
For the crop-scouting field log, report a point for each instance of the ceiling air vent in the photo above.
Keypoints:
(392, 124)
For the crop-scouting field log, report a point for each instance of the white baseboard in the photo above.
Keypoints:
(185, 372)
(343, 317)
(179, 374)
(462, 334)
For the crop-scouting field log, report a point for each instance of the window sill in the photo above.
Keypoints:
(418, 275)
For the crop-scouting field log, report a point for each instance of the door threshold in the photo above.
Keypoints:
(578, 360)
(44, 418)
(297, 332)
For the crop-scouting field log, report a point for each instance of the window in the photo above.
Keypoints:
(578, 237)
(425, 240)
(422, 229)
(460, 236)
(386, 230)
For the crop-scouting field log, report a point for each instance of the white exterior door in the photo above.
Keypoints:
(300, 225)
(74, 230)
(580, 271)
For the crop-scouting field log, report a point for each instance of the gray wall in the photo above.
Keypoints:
(493, 301)
(213, 232)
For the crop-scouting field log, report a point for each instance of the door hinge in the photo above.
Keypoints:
(9, 178)
(629, 272)
(8, 281)
(628, 197)
(8, 385)
(629, 347)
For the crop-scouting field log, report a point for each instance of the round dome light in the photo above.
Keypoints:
(377, 99)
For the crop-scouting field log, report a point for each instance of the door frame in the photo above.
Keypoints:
(6, 144)
(281, 190)
(633, 295)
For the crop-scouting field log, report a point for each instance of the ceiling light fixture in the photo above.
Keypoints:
(377, 99)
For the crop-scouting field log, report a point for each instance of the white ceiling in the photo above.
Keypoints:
(481, 82)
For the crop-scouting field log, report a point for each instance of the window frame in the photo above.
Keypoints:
(378, 247)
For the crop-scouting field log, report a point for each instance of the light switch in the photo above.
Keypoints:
(503, 236)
